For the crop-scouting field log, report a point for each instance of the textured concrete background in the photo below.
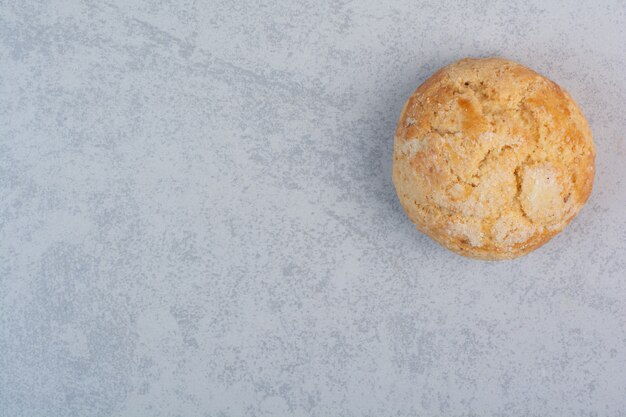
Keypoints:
(197, 216)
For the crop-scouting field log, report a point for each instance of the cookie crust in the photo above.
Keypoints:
(491, 159)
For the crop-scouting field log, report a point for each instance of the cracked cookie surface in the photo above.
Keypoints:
(492, 159)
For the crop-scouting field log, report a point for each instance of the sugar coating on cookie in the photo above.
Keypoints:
(492, 159)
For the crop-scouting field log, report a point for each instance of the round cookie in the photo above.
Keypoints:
(492, 159)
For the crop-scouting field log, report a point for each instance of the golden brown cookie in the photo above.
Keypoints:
(492, 159)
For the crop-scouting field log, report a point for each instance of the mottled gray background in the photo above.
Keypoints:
(197, 216)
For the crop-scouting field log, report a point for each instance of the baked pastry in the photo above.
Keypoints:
(492, 159)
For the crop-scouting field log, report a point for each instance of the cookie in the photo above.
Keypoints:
(491, 159)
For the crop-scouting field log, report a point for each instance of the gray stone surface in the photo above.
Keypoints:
(197, 216)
